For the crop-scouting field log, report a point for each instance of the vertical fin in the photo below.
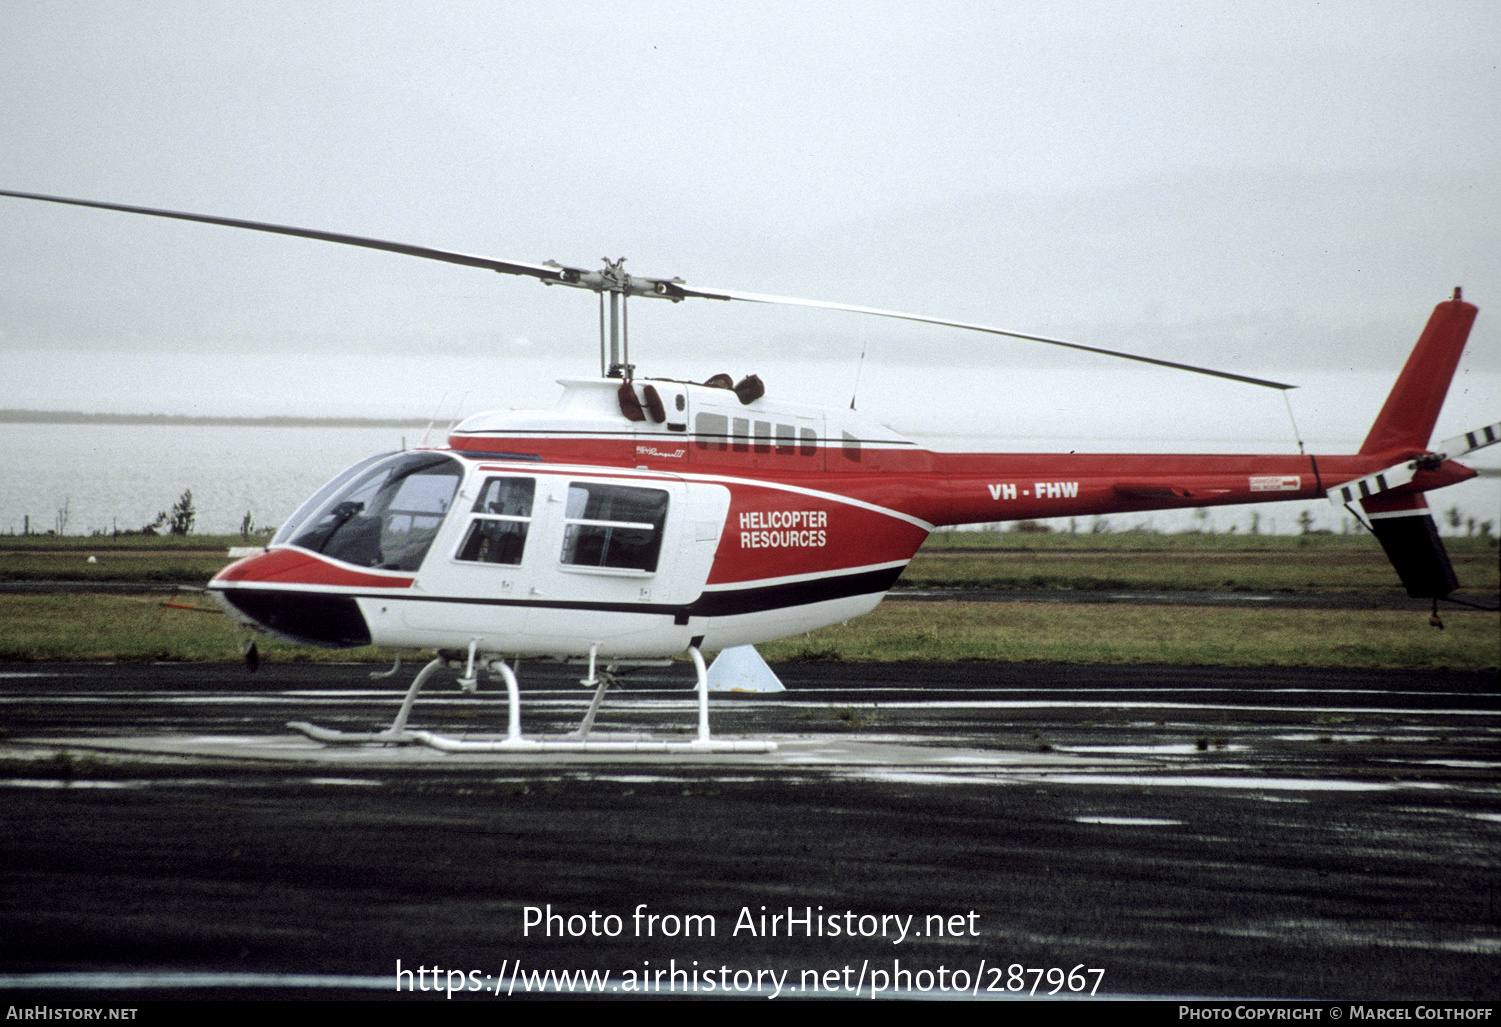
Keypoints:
(1405, 529)
(1407, 418)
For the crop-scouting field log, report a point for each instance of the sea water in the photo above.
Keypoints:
(90, 478)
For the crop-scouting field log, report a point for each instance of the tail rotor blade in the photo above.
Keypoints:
(1373, 484)
(1401, 474)
(1463, 445)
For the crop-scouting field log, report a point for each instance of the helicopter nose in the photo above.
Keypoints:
(310, 618)
(300, 597)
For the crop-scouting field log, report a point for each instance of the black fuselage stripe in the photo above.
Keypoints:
(723, 603)
(797, 593)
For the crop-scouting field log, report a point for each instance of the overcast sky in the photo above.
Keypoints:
(1272, 188)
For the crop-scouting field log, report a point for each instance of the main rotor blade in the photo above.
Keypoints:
(612, 280)
(545, 272)
(756, 297)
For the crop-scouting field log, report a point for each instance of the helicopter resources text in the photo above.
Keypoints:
(780, 529)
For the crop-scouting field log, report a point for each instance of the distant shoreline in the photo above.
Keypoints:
(75, 417)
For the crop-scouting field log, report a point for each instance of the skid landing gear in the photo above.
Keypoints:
(399, 734)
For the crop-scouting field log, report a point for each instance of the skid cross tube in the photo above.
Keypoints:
(579, 741)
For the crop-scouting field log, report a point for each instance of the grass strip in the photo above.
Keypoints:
(1025, 632)
(94, 628)
(1134, 541)
(90, 627)
(1172, 571)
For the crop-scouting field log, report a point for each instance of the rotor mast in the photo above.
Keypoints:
(614, 322)
(619, 365)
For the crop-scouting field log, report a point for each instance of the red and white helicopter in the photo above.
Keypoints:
(641, 519)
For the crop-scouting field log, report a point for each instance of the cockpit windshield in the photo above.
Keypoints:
(384, 516)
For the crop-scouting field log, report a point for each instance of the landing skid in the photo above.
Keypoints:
(579, 741)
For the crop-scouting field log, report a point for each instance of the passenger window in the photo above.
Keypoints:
(711, 430)
(615, 526)
(502, 515)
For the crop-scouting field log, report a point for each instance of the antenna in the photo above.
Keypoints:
(859, 366)
(431, 420)
(457, 411)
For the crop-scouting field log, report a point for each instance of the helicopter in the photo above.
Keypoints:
(640, 519)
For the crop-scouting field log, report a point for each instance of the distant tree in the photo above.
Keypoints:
(1305, 521)
(183, 515)
(1454, 517)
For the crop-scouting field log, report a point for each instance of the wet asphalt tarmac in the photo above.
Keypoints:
(1271, 833)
